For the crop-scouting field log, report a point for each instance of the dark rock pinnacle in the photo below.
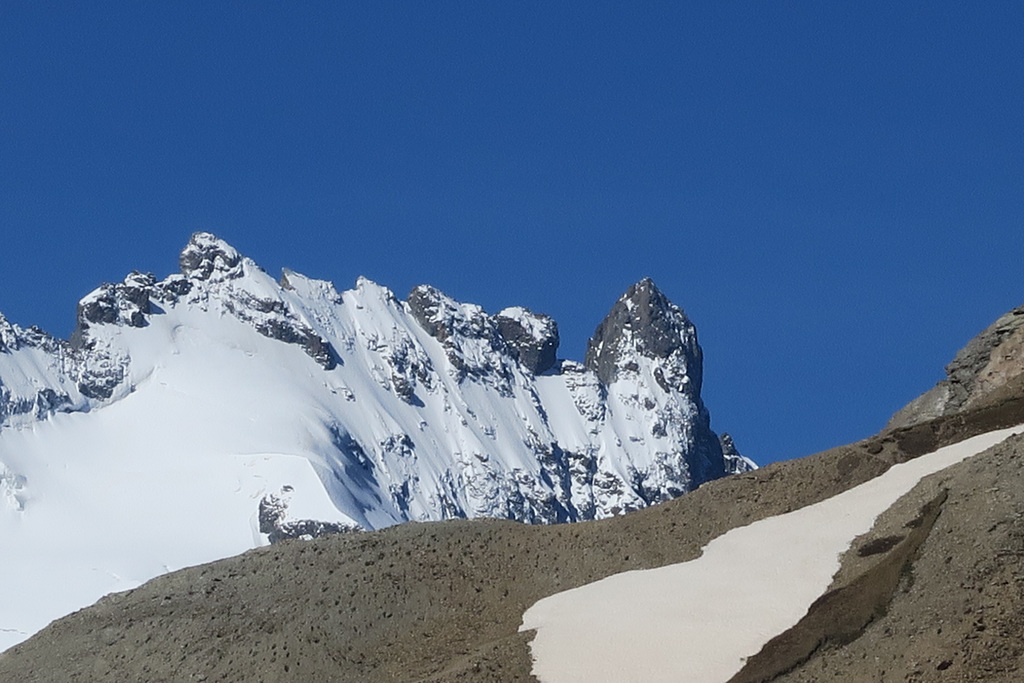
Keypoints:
(644, 322)
(532, 337)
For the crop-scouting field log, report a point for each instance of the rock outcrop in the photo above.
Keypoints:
(644, 323)
(533, 337)
(645, 352)
(989, 362)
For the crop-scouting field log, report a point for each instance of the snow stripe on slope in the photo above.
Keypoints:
(697, 621)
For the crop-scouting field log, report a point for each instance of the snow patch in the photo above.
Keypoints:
(699, 620)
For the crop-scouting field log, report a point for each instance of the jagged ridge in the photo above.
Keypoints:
(644, 364)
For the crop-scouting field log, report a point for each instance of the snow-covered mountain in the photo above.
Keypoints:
(197, 416)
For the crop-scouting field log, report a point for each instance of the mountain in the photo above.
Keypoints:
(930, 593)
(198, 416)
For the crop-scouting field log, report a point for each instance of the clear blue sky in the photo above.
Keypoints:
(834, 192)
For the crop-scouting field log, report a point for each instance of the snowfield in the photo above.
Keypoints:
(697, 621)
(163, 479)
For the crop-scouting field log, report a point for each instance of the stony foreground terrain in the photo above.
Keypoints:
(443, 601)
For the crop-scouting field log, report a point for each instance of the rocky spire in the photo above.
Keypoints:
(644, 322)
(645, 354)
(205, 256)
(8, 335)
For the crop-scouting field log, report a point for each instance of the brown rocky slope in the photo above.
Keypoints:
(933, 593)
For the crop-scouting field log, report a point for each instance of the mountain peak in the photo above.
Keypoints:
(8, 335)
(206, 256)
(644, 322)
(425, 409)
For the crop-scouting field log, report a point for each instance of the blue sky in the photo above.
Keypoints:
(832, 193)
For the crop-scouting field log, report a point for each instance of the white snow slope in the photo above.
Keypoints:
(148, 443)
(697, 621)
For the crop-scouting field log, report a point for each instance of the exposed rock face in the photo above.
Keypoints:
(274, 522)
(7, 335)
(216, 272)
(988, 362)
(474, 346)
(644, 322)
(62, 376)
(126, 303)
(470, 335)
(532, 337)
(647, 347)
(208, 258)
(734, 462)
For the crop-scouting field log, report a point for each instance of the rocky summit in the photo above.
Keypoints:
(507, 429)
(221, 404)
